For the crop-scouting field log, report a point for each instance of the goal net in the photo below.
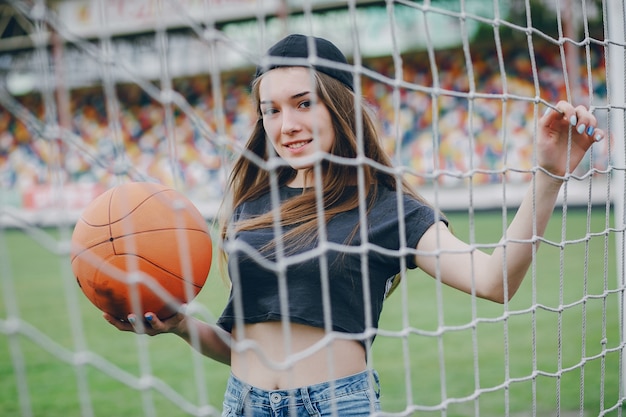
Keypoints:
(94, 93)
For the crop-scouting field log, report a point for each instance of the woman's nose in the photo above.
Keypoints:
(290, 122)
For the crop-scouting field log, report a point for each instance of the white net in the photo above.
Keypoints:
(106, 91)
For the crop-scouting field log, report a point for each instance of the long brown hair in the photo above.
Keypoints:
(248, 180)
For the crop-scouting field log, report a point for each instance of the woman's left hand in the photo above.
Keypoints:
(552, 140)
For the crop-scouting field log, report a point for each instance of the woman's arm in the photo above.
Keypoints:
(212, 341)
(461, 266)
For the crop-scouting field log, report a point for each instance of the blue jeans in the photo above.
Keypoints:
(352, 396)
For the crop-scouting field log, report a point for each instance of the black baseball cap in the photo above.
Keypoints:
(297, 46)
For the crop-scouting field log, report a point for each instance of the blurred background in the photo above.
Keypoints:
(455, 97)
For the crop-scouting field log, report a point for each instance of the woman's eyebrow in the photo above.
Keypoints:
(304, 93)
(293, 97)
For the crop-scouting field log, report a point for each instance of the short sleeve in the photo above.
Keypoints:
(419, 217)
(386, 221)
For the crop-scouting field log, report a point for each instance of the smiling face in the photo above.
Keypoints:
(296, 122)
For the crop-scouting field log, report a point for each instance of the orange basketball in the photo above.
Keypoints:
(141, 247)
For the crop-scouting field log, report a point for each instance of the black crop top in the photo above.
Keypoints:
(256, 297)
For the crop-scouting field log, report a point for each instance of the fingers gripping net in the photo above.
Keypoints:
(158, 90)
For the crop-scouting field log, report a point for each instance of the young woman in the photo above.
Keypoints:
(319, 226)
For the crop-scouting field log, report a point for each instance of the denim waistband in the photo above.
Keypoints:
(304, 396)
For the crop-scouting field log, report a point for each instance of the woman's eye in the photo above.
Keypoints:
(268, 111)
(305, 104)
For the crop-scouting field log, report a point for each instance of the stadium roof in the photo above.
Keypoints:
(15, 29)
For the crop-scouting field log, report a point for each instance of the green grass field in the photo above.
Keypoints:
(554, 349)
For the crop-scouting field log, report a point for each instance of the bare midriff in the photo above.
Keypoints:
(271, 357)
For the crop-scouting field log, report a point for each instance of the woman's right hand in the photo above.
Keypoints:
(150, 323)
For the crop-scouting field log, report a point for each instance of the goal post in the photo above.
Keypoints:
(616, 71)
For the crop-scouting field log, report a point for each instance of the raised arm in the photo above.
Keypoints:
(444, 256)
(212, 341)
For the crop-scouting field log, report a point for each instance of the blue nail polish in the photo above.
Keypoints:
(598, 137)
(149, 317)
(573, 120)
(581, 128)
(590, 130)
(131, 319)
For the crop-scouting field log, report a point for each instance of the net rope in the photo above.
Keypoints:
(83, 358)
